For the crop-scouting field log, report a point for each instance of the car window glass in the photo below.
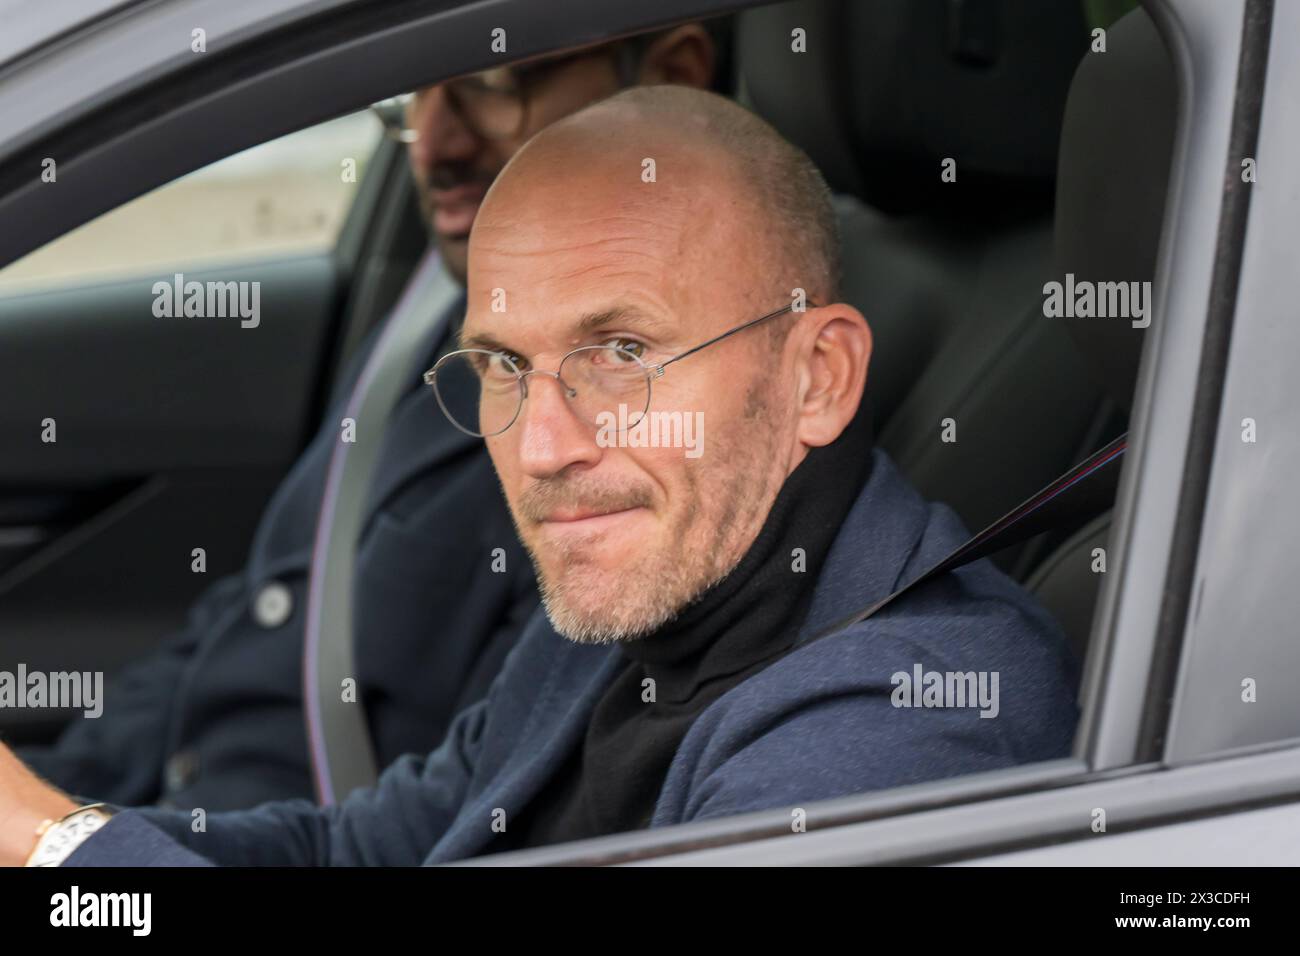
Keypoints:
(286, 197)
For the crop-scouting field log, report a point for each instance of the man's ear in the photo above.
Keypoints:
(835, 351)
(684, 56)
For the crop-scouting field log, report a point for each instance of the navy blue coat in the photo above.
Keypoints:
(214, 716)
(821, 722)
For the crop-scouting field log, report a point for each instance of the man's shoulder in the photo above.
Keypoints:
(966, 673)
(920, 693)
(966, 623)
(972, 619)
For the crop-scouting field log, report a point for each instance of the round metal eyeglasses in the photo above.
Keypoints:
(482, 391)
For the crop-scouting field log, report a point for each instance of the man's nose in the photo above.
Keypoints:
(441, 132)
(551, 436)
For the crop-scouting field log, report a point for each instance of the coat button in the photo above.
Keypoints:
(273, 605)
(181, 770)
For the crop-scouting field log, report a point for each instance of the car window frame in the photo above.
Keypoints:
(1233, 632)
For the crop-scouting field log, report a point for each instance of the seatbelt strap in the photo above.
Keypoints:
(340, 746)
(1083, 492)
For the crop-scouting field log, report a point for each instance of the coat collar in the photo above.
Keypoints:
(873, 549)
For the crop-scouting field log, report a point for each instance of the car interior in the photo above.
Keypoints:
(1062, 164)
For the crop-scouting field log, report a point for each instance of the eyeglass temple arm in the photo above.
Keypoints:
(659, 369)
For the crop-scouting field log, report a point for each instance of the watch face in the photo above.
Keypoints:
(63, 838)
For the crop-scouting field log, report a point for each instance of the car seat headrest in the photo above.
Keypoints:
(1116, 148)
(888, 89)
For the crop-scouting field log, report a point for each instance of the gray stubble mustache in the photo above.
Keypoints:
(541, 499)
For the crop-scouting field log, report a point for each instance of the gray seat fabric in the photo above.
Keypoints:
(887, 88)
(949, 275)
(1068, 581)
(1116, 148)
(1116, 152)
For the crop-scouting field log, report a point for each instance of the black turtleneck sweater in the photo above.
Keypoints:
(611, 783)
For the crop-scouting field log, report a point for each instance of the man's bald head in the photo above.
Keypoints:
(592, 282)
(772, 189)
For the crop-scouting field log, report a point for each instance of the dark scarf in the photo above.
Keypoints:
(611, 783)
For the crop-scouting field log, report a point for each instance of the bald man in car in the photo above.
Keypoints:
(645, 251)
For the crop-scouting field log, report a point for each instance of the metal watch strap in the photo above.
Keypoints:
(46, 853)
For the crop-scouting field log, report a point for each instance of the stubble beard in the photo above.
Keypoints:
(700, 548)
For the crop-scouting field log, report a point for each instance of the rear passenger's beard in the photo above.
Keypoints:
(730, 497)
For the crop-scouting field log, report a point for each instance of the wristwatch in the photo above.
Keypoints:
(57, 839)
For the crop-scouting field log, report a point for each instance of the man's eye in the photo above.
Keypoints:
(630, 346)
(503, 365)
